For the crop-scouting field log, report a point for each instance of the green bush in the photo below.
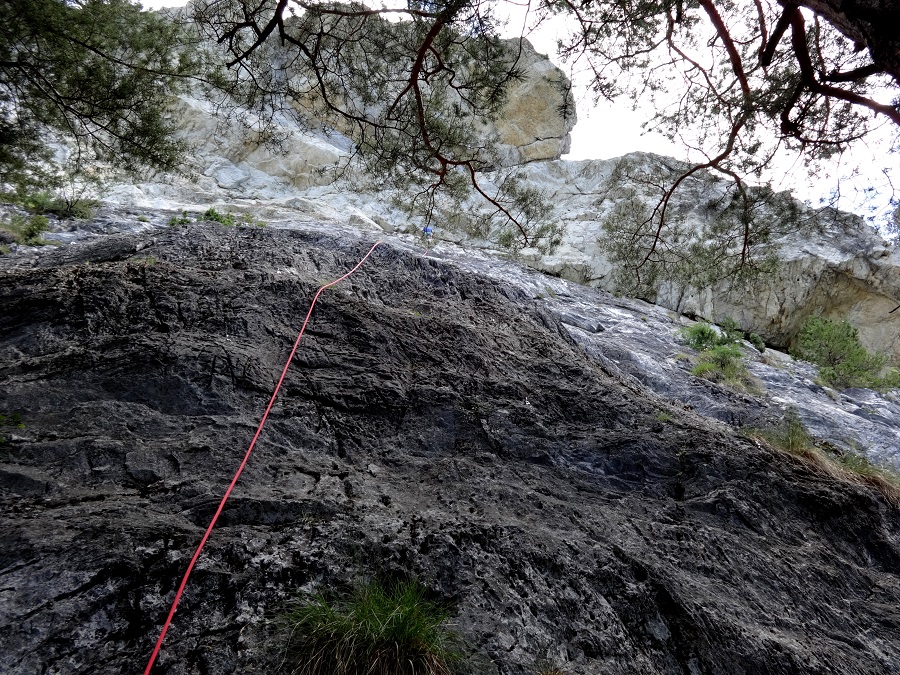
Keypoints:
(27, 229)
(81, 209)
(231, 219)
(701, 336)
(731, 332)
(721, 357)
(377, 630)
(724, 364)
(33, 229)
(37, 202)
(44, 202)
(183, 219)
(843, 362)
(757, 342)
(223, 218)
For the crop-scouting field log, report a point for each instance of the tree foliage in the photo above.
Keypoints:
(98, 72)
(843, 362)
(738, 84)
(744, 71)
(714, 231)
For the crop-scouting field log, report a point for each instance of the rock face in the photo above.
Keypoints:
(530, 127)
(435, 423)
(838, 268)
(230, 158)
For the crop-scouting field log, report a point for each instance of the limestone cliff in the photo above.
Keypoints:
(836, 267)
(227, 155)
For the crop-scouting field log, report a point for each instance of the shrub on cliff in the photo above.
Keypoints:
(26, 230)
(721, 357)
(702, 336)
(792, 437)
(843, 362)
(723, 363)
(378, 630)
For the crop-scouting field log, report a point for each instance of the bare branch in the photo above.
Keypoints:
(854, 75)
(722, 31)
(761, 18)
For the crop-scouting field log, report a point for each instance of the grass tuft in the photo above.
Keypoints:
(183, 219)
(791, 436)
(700, 336)
(231, 219)
(724, 364)
(377, 630)
(27, 230)
(545, 667)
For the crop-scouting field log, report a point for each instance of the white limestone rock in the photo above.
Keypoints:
(840, 269)
(538, 115)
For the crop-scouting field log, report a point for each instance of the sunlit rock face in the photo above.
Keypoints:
(227, 152)
(230, 157)
(538, 115)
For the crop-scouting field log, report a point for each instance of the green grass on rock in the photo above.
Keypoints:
(376, 630)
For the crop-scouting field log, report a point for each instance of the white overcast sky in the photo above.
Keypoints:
(608, 130)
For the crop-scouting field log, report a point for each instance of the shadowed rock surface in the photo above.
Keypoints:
(436, 422)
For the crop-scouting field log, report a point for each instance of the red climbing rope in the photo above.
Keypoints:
(234, 480)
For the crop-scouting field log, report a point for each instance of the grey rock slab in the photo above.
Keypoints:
(438, 421)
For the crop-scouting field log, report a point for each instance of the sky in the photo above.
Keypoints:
(607, 130)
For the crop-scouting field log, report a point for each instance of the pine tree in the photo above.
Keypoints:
(98, 72)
